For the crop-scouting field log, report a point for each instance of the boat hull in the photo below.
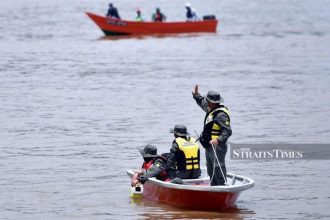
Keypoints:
(113, 27)
(191, 199)
(197, 193)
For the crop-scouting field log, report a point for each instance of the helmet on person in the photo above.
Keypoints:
(188, 5)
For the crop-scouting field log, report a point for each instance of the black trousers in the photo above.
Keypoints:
(213, 168)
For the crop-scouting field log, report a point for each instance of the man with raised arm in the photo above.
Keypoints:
(215, 134)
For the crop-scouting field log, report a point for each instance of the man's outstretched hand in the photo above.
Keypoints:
(195, 91)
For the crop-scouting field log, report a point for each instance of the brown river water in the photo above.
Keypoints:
(75, 105)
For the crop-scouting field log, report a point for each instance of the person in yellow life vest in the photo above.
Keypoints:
(215, 134)
(184, 157)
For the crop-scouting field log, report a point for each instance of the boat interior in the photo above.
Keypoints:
(232, 180)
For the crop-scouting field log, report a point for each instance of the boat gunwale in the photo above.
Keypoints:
(247, 184)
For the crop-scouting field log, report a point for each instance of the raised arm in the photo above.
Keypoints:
(200, 100)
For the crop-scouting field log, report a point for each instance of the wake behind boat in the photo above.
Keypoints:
(196, 193)
(113, 26)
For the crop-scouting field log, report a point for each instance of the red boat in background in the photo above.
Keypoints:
(112, 26)
(196, 193)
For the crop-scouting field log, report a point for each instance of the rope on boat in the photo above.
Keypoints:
(216, 157)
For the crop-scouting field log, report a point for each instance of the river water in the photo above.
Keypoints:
(75, 105)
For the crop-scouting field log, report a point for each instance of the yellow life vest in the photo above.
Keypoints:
(215, 129)
(190, 149)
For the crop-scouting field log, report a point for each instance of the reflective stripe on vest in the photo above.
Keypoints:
(216, 130)
(190, 150)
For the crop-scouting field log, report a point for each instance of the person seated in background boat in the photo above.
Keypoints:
(138, 15)
(158, 16)
(191, 13)
(184, 155)
(153, 166)
(194, 13)
(112, 12)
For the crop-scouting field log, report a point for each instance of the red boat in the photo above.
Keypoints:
(113, 26)
(196, 193)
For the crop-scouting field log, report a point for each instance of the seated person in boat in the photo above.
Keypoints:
(138, 16)
(191, 13)
(158, 16)
(153, 166)
(184, 156)
(113, 12)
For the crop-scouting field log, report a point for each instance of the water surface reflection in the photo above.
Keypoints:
(158, 210)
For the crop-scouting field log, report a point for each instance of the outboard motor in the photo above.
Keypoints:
(209, 17)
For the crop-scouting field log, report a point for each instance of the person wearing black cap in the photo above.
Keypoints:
(138, 15)
(158, 16)
(113, 12)
(153, 166)
(215, 134)
(184, 157)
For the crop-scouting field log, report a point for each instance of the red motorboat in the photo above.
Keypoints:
(196, 193)
(113, 26)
